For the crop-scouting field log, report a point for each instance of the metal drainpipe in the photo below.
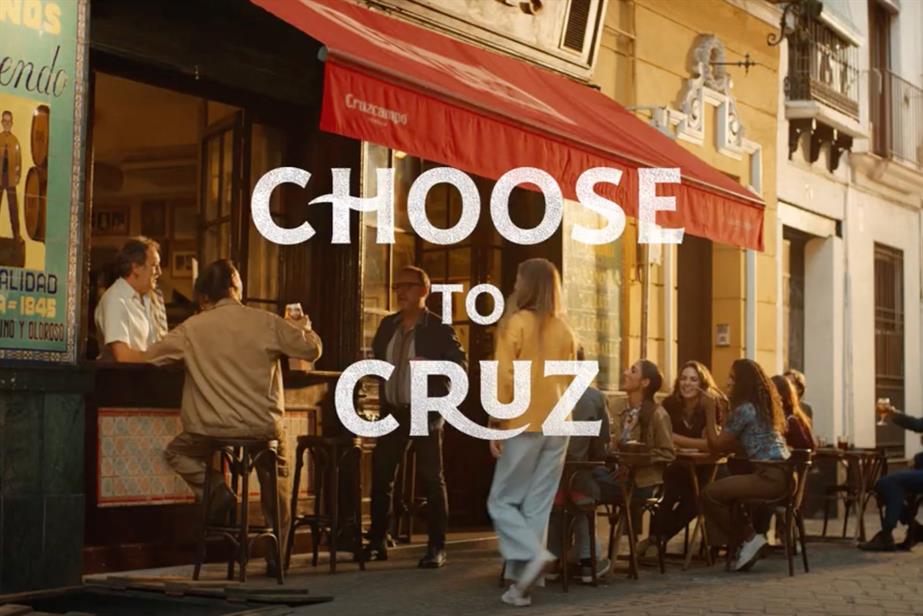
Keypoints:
(848, 389)
(645, 297)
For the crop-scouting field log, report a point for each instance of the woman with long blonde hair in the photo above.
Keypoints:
(529, 465)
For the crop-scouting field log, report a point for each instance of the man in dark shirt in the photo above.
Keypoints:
(414, 333)
(892, 489)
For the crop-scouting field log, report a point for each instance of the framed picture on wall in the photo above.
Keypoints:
(185, 220)
(154, 219)
(110, 220)
(183, 263)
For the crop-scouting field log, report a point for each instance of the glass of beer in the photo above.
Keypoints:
(294, 311)
(842, 442)
(882, 408)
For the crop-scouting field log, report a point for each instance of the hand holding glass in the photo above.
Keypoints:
(883, 408)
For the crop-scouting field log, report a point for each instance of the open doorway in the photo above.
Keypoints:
(178, 168)
(694, 296)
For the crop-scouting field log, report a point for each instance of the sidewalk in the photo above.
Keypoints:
(843, 580)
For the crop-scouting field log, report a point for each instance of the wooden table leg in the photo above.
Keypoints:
(867, 465)
(860, 497)
(699, 528)
(627, 492)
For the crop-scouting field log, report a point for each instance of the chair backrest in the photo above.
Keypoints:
(876, 468)
(801, 461)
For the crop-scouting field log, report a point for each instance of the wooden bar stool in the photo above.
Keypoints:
(328, 456)
(406, 504)
(240, 456)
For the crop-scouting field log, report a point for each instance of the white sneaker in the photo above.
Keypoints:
(603, 567)
(749, 552)
(533, 570)
(514, 597)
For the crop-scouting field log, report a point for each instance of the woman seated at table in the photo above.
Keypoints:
(687, 417)
(643, 422)
(798, 434)
(756, 423)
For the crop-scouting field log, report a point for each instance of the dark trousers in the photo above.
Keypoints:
(892, 489)
(386, 457)
(678, 507)
(611, 494)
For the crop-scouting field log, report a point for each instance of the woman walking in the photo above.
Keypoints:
(529, 465)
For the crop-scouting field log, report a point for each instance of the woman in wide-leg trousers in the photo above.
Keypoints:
(522, 494)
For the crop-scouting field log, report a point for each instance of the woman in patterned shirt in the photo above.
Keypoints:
(756, 424)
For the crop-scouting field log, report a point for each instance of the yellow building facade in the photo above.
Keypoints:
(671, 61)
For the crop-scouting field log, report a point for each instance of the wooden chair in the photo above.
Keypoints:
(651, 506)
(796, 472)
(570, 511)
(914, 502)
(854, 492)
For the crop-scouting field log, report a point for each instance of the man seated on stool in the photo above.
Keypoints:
(131, 315)
(233, 387)
(893, 488)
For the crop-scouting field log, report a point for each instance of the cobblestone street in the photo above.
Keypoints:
(842, 580)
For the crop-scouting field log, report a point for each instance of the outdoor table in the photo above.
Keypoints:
(693, 461)
(868, 465)
(630, 461)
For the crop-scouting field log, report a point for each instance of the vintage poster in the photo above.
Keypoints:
(42, 90)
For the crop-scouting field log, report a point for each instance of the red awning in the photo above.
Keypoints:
(392, 83)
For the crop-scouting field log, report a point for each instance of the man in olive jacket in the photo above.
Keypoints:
(414, 333)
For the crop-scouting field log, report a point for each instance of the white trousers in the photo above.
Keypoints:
(522, 494)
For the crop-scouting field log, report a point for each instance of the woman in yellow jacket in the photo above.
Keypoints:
(529, 465)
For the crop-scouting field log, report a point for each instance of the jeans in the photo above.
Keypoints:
(611, 494)
(581, 536)
(892, 489)
(522, 494)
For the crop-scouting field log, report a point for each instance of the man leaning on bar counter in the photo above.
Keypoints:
(233, 386)
(131, 315)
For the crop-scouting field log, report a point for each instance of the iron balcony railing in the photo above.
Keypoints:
(897, 117)
(823, 67)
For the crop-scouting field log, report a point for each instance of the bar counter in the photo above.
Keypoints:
(139, 513)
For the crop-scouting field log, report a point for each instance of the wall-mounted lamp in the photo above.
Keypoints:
(793, 22)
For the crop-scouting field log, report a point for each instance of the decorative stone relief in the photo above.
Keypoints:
(709, 84)
(530, 7)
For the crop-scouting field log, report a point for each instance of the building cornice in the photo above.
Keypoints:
(890, 178)
(760, 9)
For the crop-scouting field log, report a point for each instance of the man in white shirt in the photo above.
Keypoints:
(127, 317)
